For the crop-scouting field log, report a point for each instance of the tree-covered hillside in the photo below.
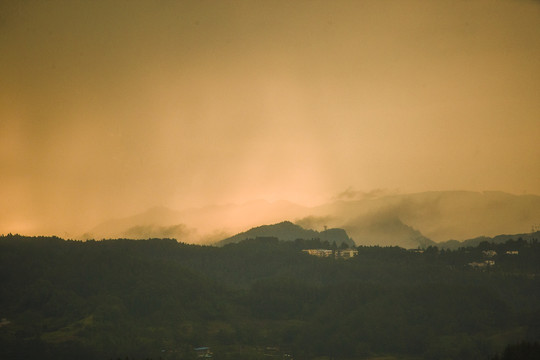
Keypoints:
(288, 231)
(260, 298)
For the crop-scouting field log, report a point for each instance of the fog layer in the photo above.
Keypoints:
(109, 108)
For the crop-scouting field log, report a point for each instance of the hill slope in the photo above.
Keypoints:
(159, 299)
(289, 232)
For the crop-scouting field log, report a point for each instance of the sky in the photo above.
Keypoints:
(108, 108)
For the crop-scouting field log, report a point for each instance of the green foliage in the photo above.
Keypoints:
(160, 299)
(522, 351)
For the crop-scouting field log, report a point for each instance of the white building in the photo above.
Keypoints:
(338, 254)
(346, 254)
(319, 252)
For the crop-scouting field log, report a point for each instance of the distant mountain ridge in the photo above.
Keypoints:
(288, 231)
(437, 216)
(386, 231)
(499, 239)
(376, 218)
(196, 225)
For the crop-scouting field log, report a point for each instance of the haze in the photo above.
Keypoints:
(108, 108)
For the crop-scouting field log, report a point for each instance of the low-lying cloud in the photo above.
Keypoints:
(179, 232)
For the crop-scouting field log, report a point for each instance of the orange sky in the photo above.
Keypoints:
(110, 107)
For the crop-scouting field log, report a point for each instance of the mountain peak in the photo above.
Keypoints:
(288, 231)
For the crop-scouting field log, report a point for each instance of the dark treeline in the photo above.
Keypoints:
(522, 351)
(161, 299)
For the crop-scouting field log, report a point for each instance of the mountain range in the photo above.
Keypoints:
(376, 218)
(499, 239)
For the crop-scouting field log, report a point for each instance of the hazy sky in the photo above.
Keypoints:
(110, 107)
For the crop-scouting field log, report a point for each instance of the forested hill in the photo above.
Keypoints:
(161, 299)
(288, 231)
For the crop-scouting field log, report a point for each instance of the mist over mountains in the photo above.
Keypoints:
(406, 220)
(198, 225)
